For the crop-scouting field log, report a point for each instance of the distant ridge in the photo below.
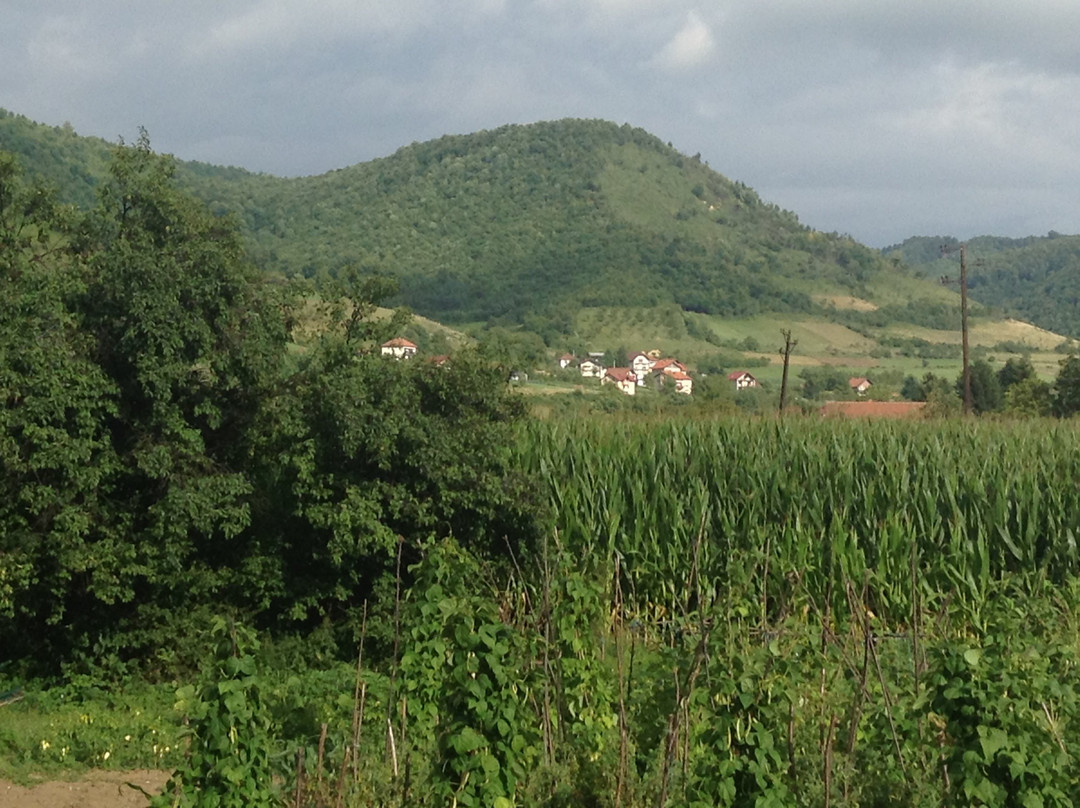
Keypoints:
(1036, 279)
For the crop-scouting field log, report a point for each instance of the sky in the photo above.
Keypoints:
(881, 119)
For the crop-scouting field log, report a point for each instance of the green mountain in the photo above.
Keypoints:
(1036, 279)
(545, 218)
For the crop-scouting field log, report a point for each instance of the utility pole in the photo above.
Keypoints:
(789, 346)
(963, 326)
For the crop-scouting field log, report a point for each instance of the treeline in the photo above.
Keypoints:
(1013, 388)
(167, 452)
(1035, 279)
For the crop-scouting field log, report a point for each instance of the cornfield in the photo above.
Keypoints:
(788, 514)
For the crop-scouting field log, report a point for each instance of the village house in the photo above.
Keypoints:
(742, 380)
(669, 366)
(860, 384)
(591, 368)
(683, 383)
(641, 364)
(671, 374)
(399, 348)
(566, 360)
(623, 378)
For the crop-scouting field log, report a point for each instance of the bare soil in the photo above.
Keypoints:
(97, 789)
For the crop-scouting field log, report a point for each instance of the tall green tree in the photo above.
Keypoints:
(1067, 387)
(1031, 397)
(986, 395)
(165, 457)
(192, 342)
(139, 347)
(55, 454)
(374, 456)
(1014, 371)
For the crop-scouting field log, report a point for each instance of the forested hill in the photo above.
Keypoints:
(1036, 279)
(535, 219)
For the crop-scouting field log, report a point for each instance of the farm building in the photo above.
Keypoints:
(860, 384)
(742, 380)
(873, 409)
(399, 348)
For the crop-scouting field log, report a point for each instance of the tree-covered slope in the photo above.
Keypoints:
(1036, 279)
(533, 220)
(554, 215)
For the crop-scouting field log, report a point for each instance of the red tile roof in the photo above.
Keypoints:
(621, 374)
(874, 409)
(399, 342)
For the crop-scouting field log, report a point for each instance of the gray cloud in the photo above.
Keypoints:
(879, 120)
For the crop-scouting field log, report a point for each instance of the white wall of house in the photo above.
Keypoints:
(591, 369)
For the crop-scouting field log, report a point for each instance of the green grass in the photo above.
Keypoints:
(70, 729)
(899, 287)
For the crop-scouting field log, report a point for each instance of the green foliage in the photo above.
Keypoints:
(1067, 387)
(912, 389)
(150, 345)
(369, 452)
(466, 676)
(165, 451)
(1014, 371)
(228, 762)
(970, 496)
(1001, 703)
(55, 155)
(740, 759)
(54, 447)
(682, 638)
(925, 313)
(1031, 397)
(986, 392)
(827, 379)
(79, 725)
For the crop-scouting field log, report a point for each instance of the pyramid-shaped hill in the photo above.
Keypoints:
(540, 219)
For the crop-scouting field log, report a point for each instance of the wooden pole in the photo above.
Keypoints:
(789, 346)
(964, 330)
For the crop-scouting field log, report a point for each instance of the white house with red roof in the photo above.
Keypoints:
(566, 360)
(683, 383)
(623, 378)
(742, 380)
(669, 366)
(860, 384)
(399, 348)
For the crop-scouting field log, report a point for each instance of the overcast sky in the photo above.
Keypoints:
(878, 118)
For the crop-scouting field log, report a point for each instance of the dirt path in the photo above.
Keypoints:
(97, 789)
